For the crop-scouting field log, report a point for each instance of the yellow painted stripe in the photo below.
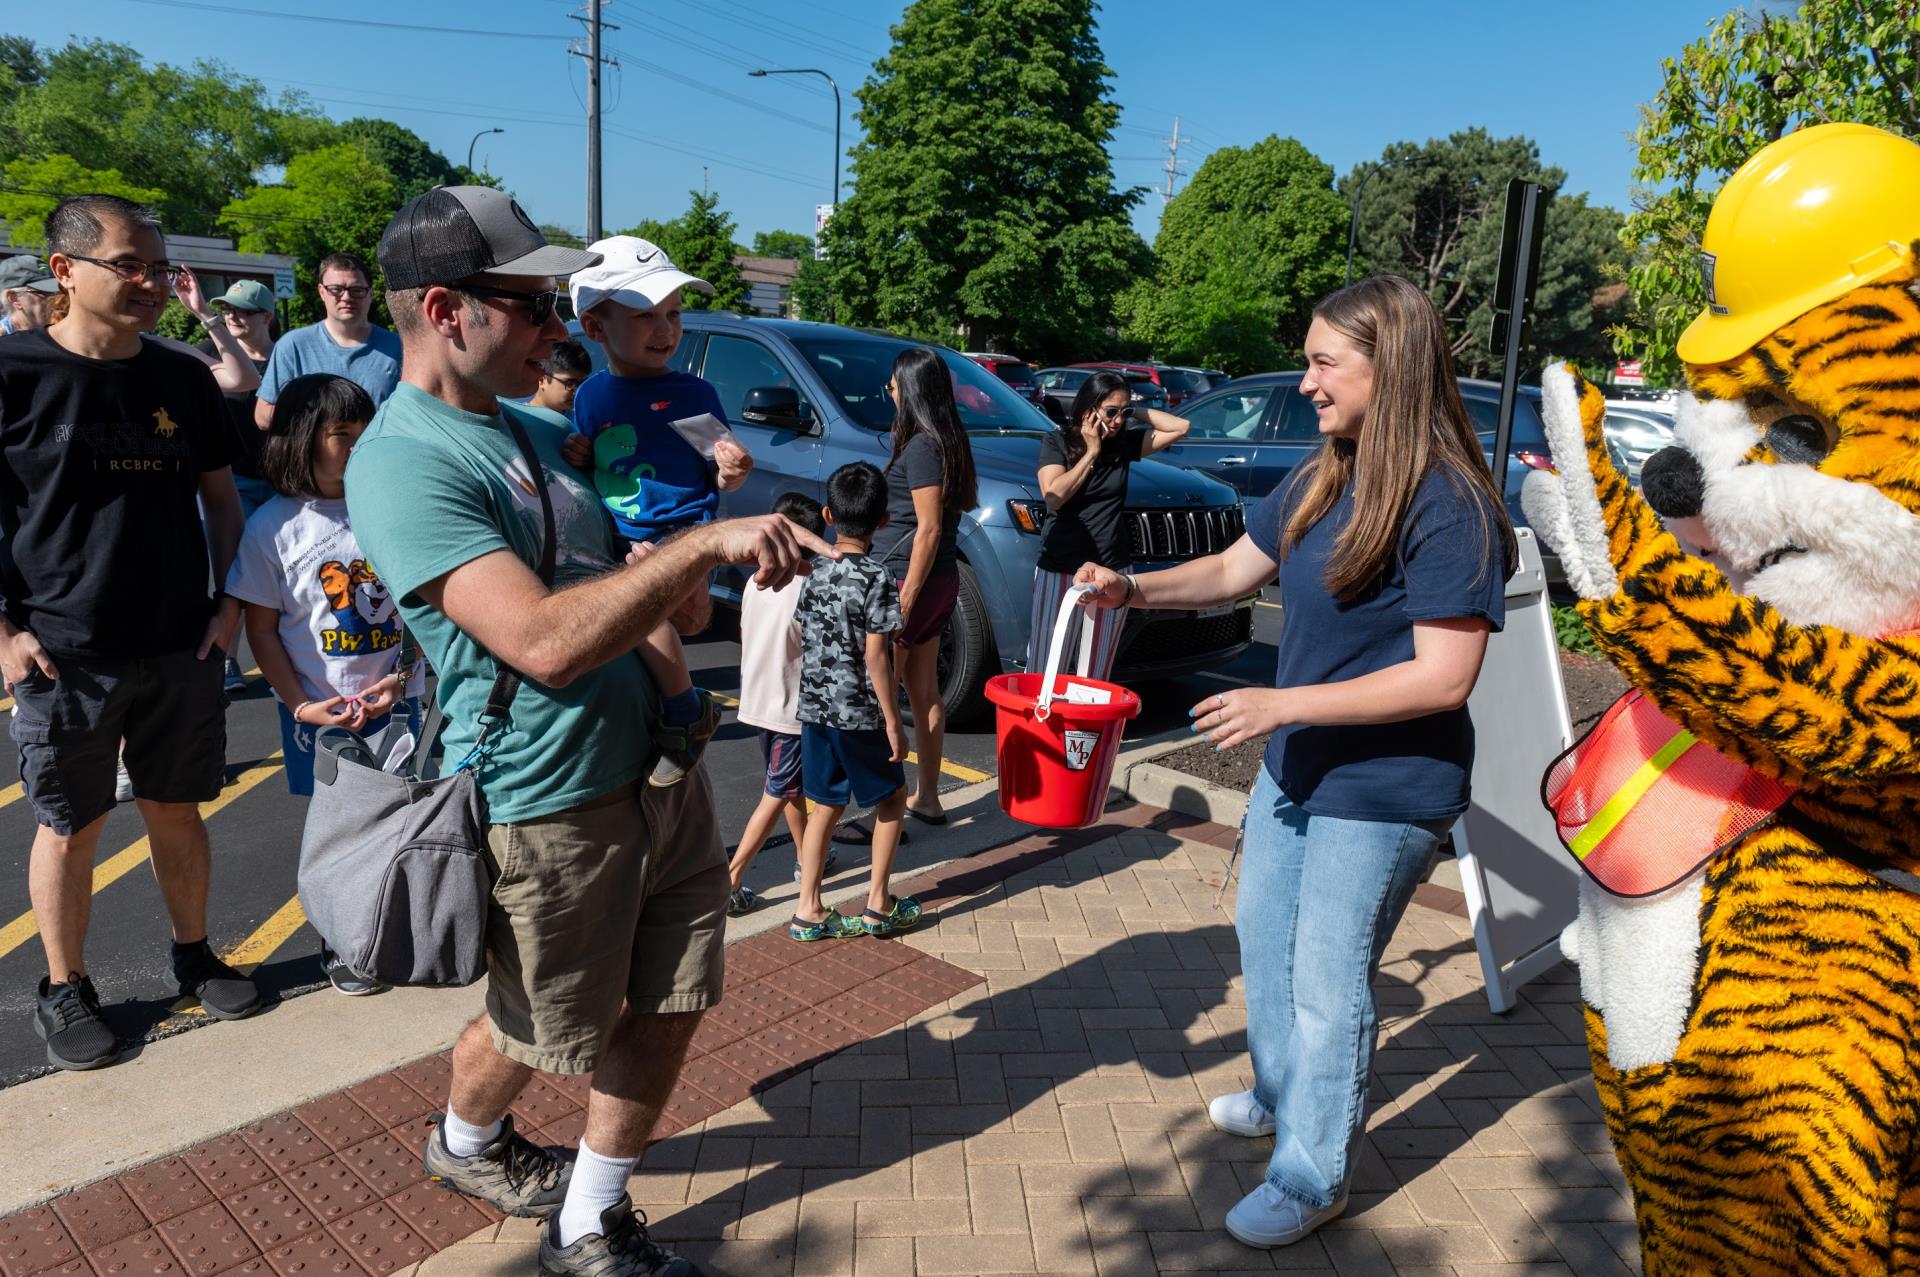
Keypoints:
(12, 794)
(724, 700)
(117, 866)
(959, 771)
(6, 706)
(1637, 785)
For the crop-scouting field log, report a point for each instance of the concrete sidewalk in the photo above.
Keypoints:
(1040, 1109)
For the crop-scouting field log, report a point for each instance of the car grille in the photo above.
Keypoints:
(1165, 536)
(1180, 638)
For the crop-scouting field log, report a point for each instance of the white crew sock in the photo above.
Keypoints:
(464, 1139)
(598, 1182)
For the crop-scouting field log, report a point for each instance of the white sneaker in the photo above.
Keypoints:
(122, 785)
(1268, 1217)
(1240, 1114)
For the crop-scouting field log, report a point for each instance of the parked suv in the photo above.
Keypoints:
(1058, 386)
(1254, 430)
(1012, 369)
(807, 398)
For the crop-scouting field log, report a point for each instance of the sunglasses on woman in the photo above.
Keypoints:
(1114, 414)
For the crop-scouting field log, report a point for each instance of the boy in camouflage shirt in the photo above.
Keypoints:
(851, 741)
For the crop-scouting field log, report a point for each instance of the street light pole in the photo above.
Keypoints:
(476, 137)
(836, 115)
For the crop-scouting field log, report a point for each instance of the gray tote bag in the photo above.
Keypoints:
(394, 872)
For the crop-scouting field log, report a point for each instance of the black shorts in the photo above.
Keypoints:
(169, 710)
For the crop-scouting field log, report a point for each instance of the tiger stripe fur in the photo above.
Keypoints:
(1783, 1134)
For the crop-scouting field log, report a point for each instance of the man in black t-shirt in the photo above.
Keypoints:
(109, 444)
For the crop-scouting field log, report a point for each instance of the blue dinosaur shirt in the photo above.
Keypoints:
(653, 482)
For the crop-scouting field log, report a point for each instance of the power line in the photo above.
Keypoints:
(346, 22)
(788, 33)
(694, 83)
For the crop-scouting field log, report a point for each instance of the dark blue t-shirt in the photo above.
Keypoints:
(1447, 566)
(653, 481)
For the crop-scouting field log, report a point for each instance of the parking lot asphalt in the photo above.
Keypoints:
(255, 825)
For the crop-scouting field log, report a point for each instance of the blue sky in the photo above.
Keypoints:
(1345, 79)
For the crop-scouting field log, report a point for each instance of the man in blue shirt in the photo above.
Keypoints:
(345, 343)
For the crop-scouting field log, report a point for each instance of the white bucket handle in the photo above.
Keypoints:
(1069, 608)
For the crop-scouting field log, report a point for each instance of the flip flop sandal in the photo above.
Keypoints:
(862, 836)
(925, 819)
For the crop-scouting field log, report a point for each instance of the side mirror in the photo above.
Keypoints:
(777, 406)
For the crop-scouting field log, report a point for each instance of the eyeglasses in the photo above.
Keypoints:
(340, 292)
(539, 305)
(133, 270)
(571, 383)
(889, 385)
(1113, 414)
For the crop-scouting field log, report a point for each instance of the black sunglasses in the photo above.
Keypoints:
(539, 305)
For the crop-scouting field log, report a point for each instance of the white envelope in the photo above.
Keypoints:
(703, 432)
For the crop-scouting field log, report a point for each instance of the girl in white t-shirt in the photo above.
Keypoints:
(322, 626)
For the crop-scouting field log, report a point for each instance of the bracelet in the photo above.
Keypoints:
(1132, 585)
(300, 709)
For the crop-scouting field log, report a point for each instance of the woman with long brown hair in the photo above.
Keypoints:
(1392, 550)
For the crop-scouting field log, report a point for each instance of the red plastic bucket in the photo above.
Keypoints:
(1054, 769)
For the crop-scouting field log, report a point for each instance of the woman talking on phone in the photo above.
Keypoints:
(1392, 550)
(1083, 476)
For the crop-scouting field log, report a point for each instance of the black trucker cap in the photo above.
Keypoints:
(453, 232)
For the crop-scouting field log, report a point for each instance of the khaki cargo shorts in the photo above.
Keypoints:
(621, 900)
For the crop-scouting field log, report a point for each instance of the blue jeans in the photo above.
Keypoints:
(1318, 898)
(254, 493)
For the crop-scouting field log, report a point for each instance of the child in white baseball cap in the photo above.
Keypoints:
(653, 480)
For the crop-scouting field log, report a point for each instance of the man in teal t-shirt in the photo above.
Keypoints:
(604, 944)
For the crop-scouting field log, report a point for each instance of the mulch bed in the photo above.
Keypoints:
(1592, 685)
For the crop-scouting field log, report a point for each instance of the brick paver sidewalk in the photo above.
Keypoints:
(1019, 1087)
(1052, 1119)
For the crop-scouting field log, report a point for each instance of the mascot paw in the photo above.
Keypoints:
(1563, 506)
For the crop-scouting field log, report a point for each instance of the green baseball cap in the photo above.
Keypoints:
(246, 294)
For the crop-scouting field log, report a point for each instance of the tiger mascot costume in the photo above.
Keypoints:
(1755, 1027)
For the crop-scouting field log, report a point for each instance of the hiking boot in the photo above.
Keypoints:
(512, 1174)
(224, 992)
(345, 978)
(67, 1016)
(620, 1249)
(681, 746)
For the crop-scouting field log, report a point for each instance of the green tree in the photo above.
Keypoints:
(1241, 256)
(700, 242)
(414, 166)
(811, 294)
(789, 244)
(333, 200)
(33, 186)
(200, 136)
(997, 227)
(1749, 81)
(557, 234)
(1433, 213)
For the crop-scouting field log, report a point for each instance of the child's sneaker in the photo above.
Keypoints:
(835, 926)
(682, 745)
(826, 872)
(743, 899)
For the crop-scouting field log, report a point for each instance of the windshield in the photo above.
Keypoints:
(856, 367)
(1014, 374)
(1185, 382)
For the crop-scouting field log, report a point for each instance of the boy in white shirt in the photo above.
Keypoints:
(769, 700)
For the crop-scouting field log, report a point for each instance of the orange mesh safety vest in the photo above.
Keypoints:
(1642, 803)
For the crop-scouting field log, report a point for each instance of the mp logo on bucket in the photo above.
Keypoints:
(1080, 749)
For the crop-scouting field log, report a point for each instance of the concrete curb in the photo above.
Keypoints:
(1140, 778)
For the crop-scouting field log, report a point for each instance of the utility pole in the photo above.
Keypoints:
(594, 62)
(1173, 161)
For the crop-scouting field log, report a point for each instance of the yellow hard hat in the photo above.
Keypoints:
(1808, 218)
